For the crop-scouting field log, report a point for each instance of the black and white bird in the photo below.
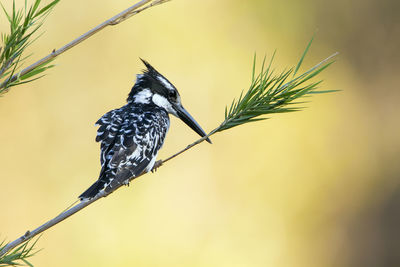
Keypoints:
(132, 135)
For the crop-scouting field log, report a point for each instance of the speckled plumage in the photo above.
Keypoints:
(132, 135)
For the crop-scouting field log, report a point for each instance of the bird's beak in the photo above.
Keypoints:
(188, 119)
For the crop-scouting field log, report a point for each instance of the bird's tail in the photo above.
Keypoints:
(93, 190)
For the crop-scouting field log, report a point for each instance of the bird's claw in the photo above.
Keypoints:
(157, 165)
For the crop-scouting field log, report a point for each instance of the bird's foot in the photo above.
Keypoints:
(157, 165)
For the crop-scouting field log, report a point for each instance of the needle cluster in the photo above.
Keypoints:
(272, 92)
(24, 23)
(19, 255)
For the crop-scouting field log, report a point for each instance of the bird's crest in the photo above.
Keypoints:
(152, 73)
(150, 69)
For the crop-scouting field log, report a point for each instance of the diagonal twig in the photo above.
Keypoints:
(122, 16)
(74, 209)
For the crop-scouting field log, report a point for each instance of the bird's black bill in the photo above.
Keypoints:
(188, 119)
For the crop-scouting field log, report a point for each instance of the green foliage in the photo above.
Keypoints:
(24, 23)
(19, 255)
(273, 93)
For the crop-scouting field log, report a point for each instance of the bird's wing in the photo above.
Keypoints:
(129, 146)
(110, 125)
(136, 146)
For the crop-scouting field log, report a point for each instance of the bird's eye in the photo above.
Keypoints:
(172, 94)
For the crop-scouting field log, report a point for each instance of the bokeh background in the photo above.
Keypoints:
(315, 188)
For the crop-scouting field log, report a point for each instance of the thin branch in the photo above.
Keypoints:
(64, 215)
(190, 146)
(127, 13)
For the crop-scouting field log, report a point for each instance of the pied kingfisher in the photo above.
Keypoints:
(132, 135)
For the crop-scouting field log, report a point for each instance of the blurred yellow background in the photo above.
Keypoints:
(315, 188)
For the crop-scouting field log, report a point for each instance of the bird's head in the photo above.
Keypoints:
(152, 87)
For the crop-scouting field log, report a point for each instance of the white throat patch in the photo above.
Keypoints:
(143, 97)
(162, 102)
